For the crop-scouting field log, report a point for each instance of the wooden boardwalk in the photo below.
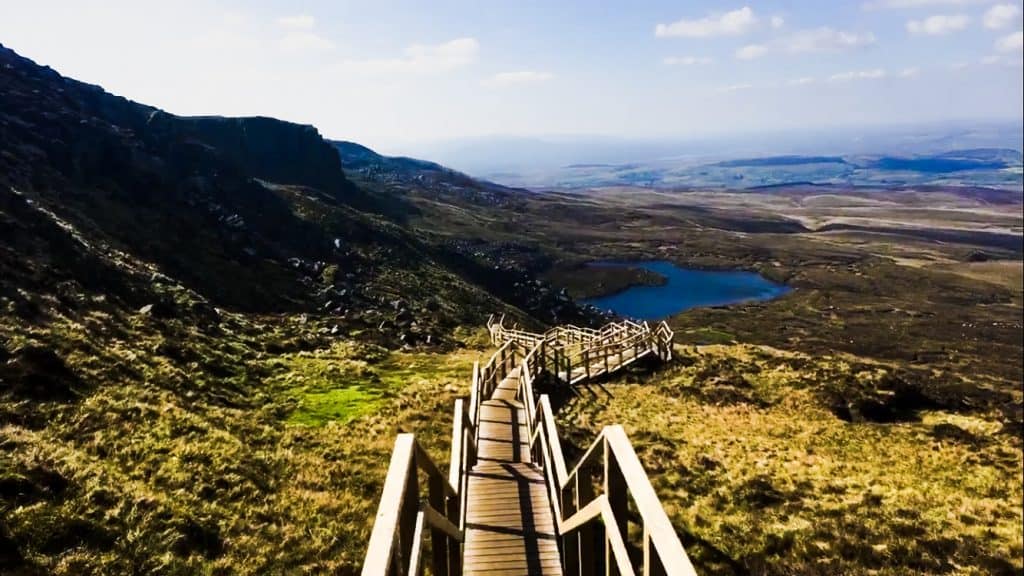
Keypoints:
(509, 526)
(509, 504)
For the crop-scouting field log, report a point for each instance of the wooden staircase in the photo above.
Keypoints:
(509, 505)
(509, 527)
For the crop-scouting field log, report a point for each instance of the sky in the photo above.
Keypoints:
(397, 74)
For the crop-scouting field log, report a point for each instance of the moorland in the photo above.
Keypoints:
(207, 347)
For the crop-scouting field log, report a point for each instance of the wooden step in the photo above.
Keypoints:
(509, 525)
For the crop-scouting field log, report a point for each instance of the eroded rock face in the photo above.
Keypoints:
(267, 148)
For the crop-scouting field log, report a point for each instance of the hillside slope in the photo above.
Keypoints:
(200, 326)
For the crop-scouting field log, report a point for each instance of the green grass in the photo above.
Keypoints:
(334, 384)
(346, 380)
(342, 404)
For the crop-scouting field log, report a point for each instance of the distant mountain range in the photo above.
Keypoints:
(987, 167)
(856, 155)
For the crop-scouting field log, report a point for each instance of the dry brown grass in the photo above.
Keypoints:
(184, 467)
(759, 476)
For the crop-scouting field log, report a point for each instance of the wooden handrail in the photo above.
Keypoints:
(660, 539)
(397, 536)
(624, 475)
(402, 521)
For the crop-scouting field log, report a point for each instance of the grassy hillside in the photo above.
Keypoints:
(258, 450)
(759, 475)
(209, 337)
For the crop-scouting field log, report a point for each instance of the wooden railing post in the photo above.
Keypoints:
(652, 561)
(589, 533)
(615, 491)
(474, 393)
(571, 544)
(407, 518)
(438, 539)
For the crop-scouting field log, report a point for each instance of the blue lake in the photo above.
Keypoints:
(686, 288)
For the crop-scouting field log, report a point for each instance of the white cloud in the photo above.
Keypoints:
(912, 72)
(858, 75)
(801, 81)
(688, 60)
(451, 54)
(733, 23)
(1001, 16)
(751, 51)
(938, 24)
(299, 35)
(826, 39)
(778, 22)
(884, 4)
(1002, 59)
(297, 22)
(304, 42)
(735, 88)
(421, 59)
(503, 79)
(1011, 42)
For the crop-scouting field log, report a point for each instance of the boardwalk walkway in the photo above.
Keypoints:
(509, 505)
(509, 526)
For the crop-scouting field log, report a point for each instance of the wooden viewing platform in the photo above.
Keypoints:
(509, 505)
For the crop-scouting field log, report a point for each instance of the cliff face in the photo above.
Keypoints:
(266, 148)
(51, 122)
(209, 200)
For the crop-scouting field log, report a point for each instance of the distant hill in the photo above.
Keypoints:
(358, 157)
(971, 167)
(782, 161)
(1006, 155)
(404, 174)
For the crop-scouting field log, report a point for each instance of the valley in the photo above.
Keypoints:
(207, 346)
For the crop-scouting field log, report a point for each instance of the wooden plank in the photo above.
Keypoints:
(382, 539)
(416, 561)
(509, 526)
(455, 460)
(662, 535)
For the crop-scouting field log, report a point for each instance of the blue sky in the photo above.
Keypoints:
(399, 74)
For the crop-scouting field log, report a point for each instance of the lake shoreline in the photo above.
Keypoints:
(683, 288)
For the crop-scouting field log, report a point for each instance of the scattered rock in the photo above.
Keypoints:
(157, 310)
